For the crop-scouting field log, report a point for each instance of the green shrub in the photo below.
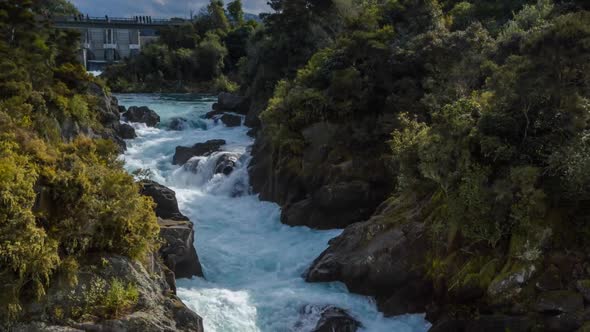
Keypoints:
(119, 298)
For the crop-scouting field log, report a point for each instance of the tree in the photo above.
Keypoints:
(236, 12)
(217, 17)
(58, 7)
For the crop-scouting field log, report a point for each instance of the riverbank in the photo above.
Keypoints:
(252, 263)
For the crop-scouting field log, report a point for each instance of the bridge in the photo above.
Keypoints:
(107, 40)
(136, 22)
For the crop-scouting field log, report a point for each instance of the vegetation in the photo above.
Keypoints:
(201, 55)
(60, 200)
(484, 109)
(492, 101)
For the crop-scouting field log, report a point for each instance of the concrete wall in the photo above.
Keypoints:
(104, 45)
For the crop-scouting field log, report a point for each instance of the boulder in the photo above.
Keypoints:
(184, 154)
(121, 109)
(231, 120)
(330, 319)
(229, 102)
(165, 199)
(559, 302)
(178, 251)
(126, 131)
(142, 115)
(379, 258)
(226, 164)
(179, 124)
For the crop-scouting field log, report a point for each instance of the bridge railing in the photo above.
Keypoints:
(143, 20)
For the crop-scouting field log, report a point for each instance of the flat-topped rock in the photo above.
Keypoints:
(142, 114)
(184, 154)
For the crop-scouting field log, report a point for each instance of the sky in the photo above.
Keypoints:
(155, 8)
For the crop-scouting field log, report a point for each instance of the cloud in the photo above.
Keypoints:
(156, 8)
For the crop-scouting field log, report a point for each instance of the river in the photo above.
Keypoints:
(252, 262)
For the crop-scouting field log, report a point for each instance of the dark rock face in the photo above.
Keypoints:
(165, 198)
(228, 102)
(336, 185)
(178, 251)
(121, 109)
(226, 164)
(331, 319)
(126, 131)
(179, 124)
(379, 259)
(486, 323)
(231, 120)
(184, 154)
(331, 206)
(157, 309)
(142, 115)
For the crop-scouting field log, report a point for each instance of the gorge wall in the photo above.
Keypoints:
(431, 160)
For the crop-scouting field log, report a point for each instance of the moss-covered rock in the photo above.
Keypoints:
(113, 293)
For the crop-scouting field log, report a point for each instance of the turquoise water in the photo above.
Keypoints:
(252, 262)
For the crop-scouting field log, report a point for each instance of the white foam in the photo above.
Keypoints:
(252, 262)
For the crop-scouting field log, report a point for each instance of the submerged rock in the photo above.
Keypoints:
(179, 124)
(192, 165)
(231, 120)
(126, 131)
(330, 319)
(142, 115)
(226, 164)
(184, 154)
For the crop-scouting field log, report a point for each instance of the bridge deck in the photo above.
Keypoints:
(115, 22)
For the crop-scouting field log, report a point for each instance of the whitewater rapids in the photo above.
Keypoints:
(252, 262)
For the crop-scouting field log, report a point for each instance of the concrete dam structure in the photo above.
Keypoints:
(107, 40)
